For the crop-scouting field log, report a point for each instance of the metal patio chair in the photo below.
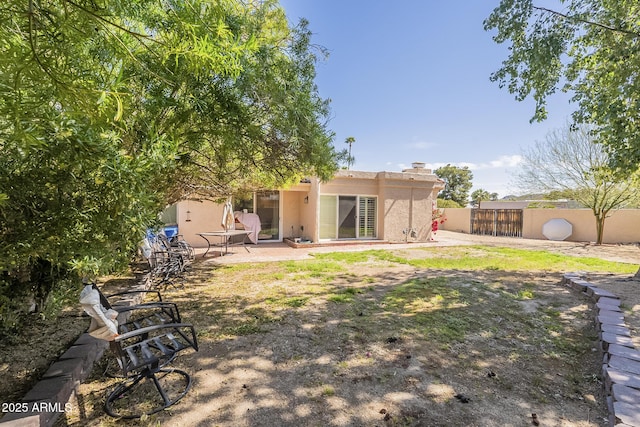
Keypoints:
(166, 262)
(144, 350)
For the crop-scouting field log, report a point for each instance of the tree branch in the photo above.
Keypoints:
(32, 43)
(108, 22)
(584, 21)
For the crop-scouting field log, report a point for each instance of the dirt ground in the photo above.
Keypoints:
(311, 367)
(627, 288)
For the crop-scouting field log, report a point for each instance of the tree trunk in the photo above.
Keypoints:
(600, 228)
(43, 278)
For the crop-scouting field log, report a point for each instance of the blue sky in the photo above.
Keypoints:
(409, 80)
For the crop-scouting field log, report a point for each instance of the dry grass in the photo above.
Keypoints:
(385, 338)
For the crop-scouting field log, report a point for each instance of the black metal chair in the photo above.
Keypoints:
(143, 355)
(168, 258)
(132, 315)
(143, 351)
(177, 243)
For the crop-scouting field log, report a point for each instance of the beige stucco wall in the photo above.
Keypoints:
(205, 216)
(355, 183)
(311, 215)
(405, 208)
(502, 204)
(622, 227)
(291, 201)
(298, 214)
(405, 202)
(458, 219)
(408, 204)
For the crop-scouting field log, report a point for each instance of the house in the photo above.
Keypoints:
(354, 205)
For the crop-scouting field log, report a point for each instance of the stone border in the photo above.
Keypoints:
(621, 360)
(47, 400)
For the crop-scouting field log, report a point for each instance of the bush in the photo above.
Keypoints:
(15, 301)
(445, 203)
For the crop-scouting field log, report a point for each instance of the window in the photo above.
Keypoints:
(367, 217)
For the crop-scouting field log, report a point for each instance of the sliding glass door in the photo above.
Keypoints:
(266, 204)
(268, 209)
(328, 217)
(347, 217)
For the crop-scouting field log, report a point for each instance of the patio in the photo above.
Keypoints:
(281, 251)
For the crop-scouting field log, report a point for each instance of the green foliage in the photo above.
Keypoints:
(64, 294)
(345, 295)
(46, 290)
(480, 195)
(111, 110)
(340, 298)
(315, 268)
(14, 297)
(445, 203)
(293, 302)
(589, 49)
(270, 129)
(457, 183)
(541, 205)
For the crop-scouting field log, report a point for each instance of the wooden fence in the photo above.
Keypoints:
(497, 222)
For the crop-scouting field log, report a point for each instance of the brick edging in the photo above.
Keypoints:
(45, 402)
(621, 360)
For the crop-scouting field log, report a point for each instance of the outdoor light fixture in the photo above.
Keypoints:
(306, 200)
(188, 216)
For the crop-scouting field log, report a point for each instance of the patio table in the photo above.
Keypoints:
(225, 237)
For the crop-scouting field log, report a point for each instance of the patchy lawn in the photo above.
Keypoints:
(439, 337)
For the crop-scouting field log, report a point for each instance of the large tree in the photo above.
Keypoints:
(457, 183)
(589, 48)
(481, 195)
(110, 110)
(571, 163)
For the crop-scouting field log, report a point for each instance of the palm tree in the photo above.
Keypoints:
(350, 140)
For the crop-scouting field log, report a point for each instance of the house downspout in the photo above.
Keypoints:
(410, 231)
(315, 191)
